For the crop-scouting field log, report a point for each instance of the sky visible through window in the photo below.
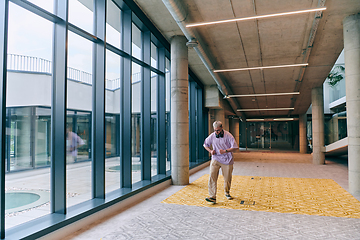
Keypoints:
(27, 40)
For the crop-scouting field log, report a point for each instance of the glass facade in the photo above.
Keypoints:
(86, 119)
(282, 135)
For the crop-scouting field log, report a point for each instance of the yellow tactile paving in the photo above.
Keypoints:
(322, 197)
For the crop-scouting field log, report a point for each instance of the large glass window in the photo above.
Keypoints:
(135, 122)
(29, 128)
(48, 5)
(112, 121)
(78, 122)
(113, 24)
(153, 130)
(81, 14)
(27, 140)
(136, 42)
(273, 135)
(167, 102)
(154, 55)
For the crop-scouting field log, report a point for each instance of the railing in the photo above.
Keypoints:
(29, 64)
(112, 84)
(34, 64)
(80, 76)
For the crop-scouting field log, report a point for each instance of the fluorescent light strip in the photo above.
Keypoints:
(264, 109)
(256, 17)
(266, 67)
(256, 119)
(283, 119)
(262, 94)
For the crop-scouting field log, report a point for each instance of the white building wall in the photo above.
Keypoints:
(34, 89)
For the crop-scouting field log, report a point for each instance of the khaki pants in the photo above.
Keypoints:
(214, 174)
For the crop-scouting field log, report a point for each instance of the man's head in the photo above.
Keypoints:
(218, 129)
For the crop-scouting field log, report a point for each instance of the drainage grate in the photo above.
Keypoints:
(256, 178)
(247, 202)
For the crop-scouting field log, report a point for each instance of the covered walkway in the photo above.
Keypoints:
(152, 219)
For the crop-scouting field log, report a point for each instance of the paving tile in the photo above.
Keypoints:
(152, 220)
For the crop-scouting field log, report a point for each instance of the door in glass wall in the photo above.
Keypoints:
(280, 135)
(271, 135)
(42, 137)
(256, 136)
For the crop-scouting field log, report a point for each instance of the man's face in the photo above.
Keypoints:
(218, 130)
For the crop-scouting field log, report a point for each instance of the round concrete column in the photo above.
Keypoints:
(318, 142)
(179, 112)
(302, 133)
(220, 116)
(351, 27)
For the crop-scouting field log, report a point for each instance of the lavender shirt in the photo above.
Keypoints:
(226, 142)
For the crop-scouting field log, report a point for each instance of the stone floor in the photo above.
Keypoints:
(151, 219)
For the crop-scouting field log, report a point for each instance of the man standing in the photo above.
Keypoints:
(223, 144)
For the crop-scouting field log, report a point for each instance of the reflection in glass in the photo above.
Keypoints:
(273, 135)
(48, 5)
(81, 14)
(153, 55)
(153, 130)
(335, 128)
(136, 41)
(112, 121)
(135, 122)
(78, 121)
(28, 108)
(167, 102)
(113, 24)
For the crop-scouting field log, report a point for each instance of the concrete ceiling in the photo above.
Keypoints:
(263, 42)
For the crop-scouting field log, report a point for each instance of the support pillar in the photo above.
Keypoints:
(318, 125)
(179, 112)
(302, 133)
(234, 129)
(220, 116)
(351, 25)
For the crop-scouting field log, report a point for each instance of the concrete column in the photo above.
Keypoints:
(351, 25)
(302, 133)
(234, 127)
(220, 116)
(227, 124)
(179, 112)
(211, 120)
(318, 125)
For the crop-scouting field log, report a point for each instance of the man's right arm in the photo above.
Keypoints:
(212, 152)
(207, 144)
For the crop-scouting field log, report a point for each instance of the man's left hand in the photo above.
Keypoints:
(222, 151)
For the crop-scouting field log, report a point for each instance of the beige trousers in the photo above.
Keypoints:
(214, 174)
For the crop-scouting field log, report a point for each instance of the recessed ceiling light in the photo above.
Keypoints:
(262, 94)
(256, 17)
(264, 109)
(259, 68)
